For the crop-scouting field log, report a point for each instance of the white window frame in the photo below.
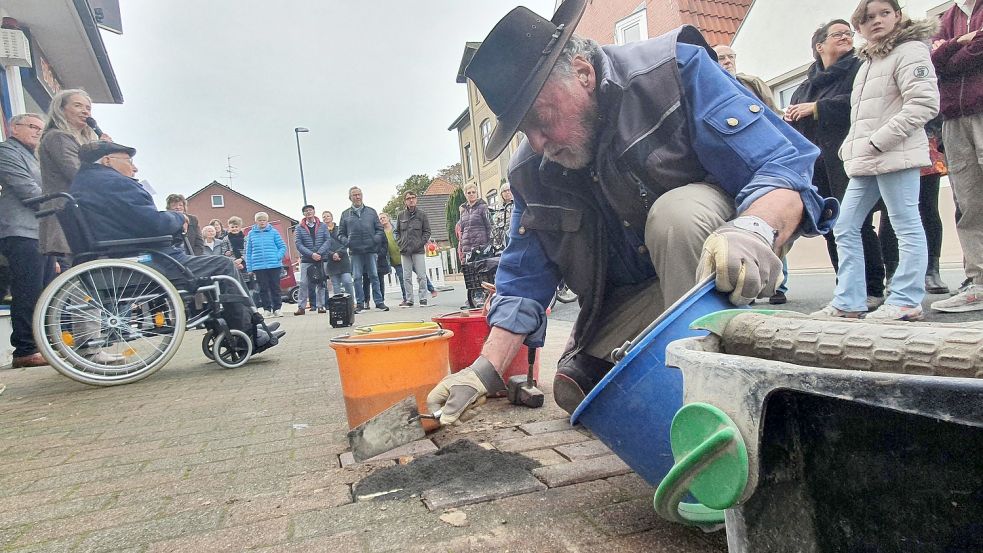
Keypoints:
(468, 167)
(635, 18)
(787, 86)
(221, 200)
(486, 131)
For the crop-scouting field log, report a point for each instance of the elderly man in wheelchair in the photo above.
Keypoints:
(119, 313)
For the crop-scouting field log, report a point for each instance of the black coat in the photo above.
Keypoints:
(830, 89)
(362, 232)
(337, 245)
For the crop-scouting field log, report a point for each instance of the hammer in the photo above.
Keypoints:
(523, 391)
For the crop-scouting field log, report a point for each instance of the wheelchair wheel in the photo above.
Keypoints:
(109, 322)
(208, 344)
(232, 349)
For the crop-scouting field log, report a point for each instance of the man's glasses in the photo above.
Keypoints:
(32, 126)
(126, 159)
(840, 34)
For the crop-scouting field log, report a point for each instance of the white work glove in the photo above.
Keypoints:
(744, 264)
(464, 389)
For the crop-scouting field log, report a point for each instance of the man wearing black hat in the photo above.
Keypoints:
(117, 207)
(643, 168)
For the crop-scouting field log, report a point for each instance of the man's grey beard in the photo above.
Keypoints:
(582, 153)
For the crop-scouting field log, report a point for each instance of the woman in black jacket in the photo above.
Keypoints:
(820, 110)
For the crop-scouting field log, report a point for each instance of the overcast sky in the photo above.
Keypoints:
(373, 81)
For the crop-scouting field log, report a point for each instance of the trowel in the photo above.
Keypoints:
(398, 425)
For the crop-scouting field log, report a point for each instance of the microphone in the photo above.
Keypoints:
(94, 126)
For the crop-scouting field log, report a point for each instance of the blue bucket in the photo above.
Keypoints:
(632, 407)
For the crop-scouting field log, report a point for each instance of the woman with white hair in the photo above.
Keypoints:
(66, 130)
(476, 227)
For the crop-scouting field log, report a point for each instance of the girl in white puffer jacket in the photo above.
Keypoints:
(894, 96)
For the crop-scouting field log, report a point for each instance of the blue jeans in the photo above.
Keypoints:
(399, 277)
(364, 263)
(783, 287)
(900, 193)
(344, 282)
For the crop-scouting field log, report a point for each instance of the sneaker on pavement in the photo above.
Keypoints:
(969, 300)
(830, 311)
(963, 287)
(321, 310)
(276, 313)
(889, 312)
(382, 307)
(873, 302)
(405, 303)
(423, 302)
(300, 311)
(358, 310)
(267, 313)
(106, 358)
(778, 299)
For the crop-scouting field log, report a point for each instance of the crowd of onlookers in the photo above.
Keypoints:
(890, 119)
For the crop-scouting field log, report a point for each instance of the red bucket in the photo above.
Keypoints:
(470, 331)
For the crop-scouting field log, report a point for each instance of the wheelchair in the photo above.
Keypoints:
(112, 319)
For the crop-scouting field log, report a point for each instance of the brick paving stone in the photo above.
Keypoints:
(541, 441)
(42, 512)
(266, 507)
(629, 517)
(544, 427)
(154, 530)
(554, 502)
(581, 471)
(363, 515)
(344, 541)
(583, 450)
(235, 538)
(412, 449)
(457, 493)
(632, 483)
(95, 520)
(545, 457)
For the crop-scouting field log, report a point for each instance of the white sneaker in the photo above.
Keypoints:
(830, 311)
(970, 299)
(277, 314)
(105, 358)
(267, 313)
(888, 312)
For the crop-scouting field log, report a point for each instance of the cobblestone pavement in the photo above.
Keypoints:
(196, 458)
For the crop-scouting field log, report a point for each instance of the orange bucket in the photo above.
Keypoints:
(379, 371)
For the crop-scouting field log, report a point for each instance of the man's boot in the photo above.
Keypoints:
(575, 378)
(933, 280)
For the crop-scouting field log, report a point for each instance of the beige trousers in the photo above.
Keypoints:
(963, 139)
(676, 228)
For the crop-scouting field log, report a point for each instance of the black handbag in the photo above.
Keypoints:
(315, 273)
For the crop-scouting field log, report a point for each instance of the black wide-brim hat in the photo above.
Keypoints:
(515, 60)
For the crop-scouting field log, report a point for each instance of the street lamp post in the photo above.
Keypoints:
(300, 160)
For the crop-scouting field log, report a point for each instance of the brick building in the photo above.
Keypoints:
(624, 21)
(218, 201)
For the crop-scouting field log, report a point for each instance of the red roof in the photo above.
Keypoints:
(717, 19)
(439, 186)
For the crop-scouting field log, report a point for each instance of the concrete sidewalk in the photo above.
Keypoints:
(196, 458)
